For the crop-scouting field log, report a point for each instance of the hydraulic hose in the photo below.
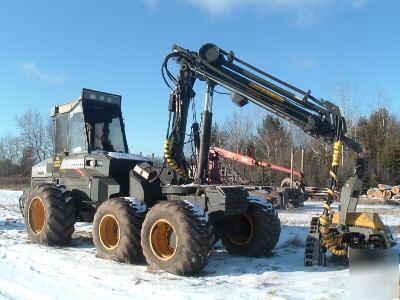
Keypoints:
(170, 160)
(329, 239)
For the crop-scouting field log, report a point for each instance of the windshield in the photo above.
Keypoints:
(103, 125)
(108, 136)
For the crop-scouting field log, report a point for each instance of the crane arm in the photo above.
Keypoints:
(317, 117)
(246, 83)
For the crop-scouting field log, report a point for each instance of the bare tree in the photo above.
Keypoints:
(35, 133)
(240, 129)
(11, 148)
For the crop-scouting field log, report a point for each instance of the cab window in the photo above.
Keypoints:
(61, 133)
(77, 139)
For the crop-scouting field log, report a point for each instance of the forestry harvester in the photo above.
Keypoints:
(171, 217)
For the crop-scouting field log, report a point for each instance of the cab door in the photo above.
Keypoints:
(69, 161)
(73, 162)
(60, 141)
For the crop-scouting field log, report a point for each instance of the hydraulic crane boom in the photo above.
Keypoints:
(317, 117)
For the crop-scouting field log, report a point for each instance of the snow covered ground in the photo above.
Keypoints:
(29, 271)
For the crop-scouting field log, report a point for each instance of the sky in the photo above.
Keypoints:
(50, 50)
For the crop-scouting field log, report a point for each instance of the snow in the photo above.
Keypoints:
(268, 206)
(197, 211)
(137, 204)
(29, 271)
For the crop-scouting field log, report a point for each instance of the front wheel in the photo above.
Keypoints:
(49, 215)
(177, 237)
(257, 232)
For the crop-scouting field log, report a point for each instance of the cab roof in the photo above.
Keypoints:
(90, 96)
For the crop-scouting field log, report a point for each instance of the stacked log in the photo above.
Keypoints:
(385, 192)
(384, 187)
(395, 189)
(382, 193)
(378, 193)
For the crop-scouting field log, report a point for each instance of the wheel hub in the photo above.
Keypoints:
(246, 231)
(163, 240)
(109, 232)
(37, 215)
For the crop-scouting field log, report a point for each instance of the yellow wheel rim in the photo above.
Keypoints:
(109, 232)
(163, 240)
(37, 215)
(246, 234)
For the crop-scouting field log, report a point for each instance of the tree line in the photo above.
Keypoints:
(271, 140)
(32, 142)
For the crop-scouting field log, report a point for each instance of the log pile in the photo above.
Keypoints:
(385, 192)
(382, 194)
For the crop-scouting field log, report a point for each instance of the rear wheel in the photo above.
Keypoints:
(271, 196)
(49, 215)
(177, 237)
(256, 232)
(116, 230)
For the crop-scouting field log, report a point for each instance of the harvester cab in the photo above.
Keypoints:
(93, 122)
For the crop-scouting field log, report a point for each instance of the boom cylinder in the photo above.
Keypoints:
(205, 136)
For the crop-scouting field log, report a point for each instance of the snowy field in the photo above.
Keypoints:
(30, 271)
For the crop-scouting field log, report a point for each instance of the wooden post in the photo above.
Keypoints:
(302, 161)
(291, 167)
(152, 158)
(262, 177)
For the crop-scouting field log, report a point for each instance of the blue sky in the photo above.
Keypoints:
(51, 49)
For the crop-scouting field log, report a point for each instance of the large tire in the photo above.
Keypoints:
(50, 215)
(259, 230)
(116, 230)
(271, 196)
(177, 237)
